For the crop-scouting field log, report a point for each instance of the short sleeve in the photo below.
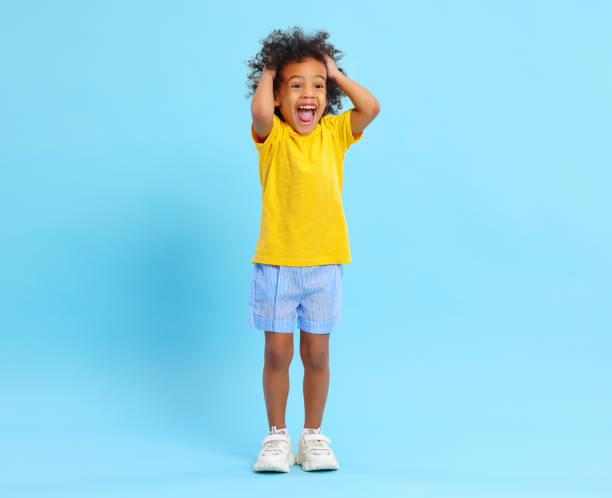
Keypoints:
(271, 138)
(341, 126)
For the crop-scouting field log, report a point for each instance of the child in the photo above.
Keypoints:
(303, 238)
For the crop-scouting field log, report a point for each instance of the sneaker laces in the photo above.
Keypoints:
(317, 444)
(274, 444)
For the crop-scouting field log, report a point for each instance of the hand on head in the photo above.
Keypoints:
(330, 65)
(266, 70)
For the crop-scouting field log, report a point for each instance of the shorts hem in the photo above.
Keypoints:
(271, 325)
(320, 327)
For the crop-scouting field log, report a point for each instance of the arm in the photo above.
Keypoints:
(366, 105)
(262, 105)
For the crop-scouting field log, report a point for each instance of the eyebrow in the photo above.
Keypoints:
(301, 77)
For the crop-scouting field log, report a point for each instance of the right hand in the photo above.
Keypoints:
(266, 70)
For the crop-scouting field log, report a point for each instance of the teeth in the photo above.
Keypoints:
(306, 107)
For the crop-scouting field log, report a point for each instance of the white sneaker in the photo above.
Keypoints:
(276, 454)
(314, 452)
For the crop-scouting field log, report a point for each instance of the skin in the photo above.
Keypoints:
(302, 82)
(278, 353)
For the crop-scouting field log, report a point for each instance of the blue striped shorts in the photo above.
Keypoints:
(280, 292)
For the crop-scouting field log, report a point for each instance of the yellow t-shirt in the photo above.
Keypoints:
(302, 217)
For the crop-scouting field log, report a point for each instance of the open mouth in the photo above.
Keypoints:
(306, 114)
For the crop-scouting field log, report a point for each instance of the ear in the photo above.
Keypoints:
(276, 100)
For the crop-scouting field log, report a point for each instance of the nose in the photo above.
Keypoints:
(309, 90)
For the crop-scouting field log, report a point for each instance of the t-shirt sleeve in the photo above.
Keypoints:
(270, 139)
(341, 124)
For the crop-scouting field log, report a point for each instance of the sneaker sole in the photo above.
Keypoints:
(275, 468)
(309, 466)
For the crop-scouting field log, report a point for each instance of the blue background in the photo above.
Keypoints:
(474, 355)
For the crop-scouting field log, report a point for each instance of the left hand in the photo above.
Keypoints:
(330, 65)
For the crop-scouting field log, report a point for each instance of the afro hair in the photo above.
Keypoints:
(280, 48)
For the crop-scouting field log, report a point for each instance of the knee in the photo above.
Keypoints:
(278, 358)
(314, 358)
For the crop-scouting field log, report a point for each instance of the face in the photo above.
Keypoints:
(302, 84)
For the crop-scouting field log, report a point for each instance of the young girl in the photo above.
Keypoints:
(303, 240)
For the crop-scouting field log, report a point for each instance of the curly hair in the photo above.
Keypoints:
(280, 48)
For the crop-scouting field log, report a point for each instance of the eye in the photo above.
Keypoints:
(294, 85)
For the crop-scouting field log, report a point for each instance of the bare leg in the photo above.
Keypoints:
(278, 354)
(314, 350)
